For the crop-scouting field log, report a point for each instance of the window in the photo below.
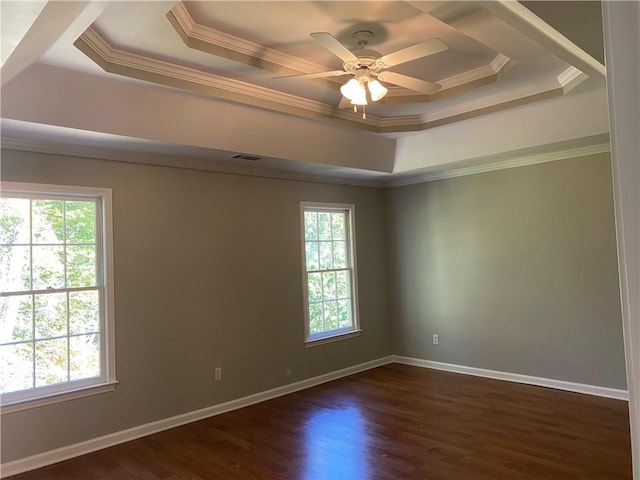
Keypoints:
(56, 330)
(330, 284)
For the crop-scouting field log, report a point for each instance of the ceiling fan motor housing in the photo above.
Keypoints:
(366, 57)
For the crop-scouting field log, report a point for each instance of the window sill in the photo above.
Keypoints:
(334, 338)
(56, 397)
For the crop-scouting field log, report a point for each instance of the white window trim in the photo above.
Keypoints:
(341, 334)
(70, 394)
(107, 380)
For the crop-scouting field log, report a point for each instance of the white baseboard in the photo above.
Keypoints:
(516, 377)
(64, 453)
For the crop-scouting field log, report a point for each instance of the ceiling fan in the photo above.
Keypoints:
(368, 66)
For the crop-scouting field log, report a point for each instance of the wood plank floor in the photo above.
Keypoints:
(394, 422)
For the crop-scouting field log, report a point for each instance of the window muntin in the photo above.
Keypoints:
(330, 294)
(56, 300)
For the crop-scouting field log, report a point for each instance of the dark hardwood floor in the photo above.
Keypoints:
(394, 423)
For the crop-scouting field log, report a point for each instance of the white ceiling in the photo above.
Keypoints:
(193, 83)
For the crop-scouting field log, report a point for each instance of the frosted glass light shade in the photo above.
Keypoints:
(360, 97)
(351, 89)
(377, 90)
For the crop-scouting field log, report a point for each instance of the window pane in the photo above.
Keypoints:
(16, 316)
(337, 226)
(48, 221)
(311, 250)
(84, 360)
(316, 318)
(51, 362)
(14, 220)
(314, 283)
(329, 270)
(16, 367)
(51, 319)
(51, 315)
(324, 225)
(339, 255)
(326, 256)
(331, 315)
(342, 284)
(310, 225)
(84, 312)
(81, 266)
(48, 267)
(329, 285)
(344, 313)
(15, 269)
(81, 222)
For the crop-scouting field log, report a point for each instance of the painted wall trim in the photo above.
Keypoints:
(521, 160)
(516, 377)
(82, 448)
(70, 451)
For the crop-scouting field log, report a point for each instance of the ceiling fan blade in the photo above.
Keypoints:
(332, 73)
(423, 49)
(409, 82)
(334, 46)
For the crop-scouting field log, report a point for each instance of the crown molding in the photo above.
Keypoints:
(571, 78)
(515, 160)
(120, 58)
(386, 123)
(181, 19)
(491, 70)
(492, 101)
(569, 75)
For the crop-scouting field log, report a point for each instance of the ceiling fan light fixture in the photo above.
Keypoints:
(368, 65)
(360, 96)
(377, 90)
(351, 89)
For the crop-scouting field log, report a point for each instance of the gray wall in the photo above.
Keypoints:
(207, 273)
(514, 269)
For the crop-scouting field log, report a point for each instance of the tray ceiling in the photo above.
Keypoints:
(236, 51)
(501, 57)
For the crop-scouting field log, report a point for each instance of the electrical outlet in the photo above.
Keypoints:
(435, 339)
(218, 373)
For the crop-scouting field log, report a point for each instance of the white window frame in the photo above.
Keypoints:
(338, 334)
(106, 381)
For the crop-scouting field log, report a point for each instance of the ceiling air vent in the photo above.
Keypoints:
(247, 157)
